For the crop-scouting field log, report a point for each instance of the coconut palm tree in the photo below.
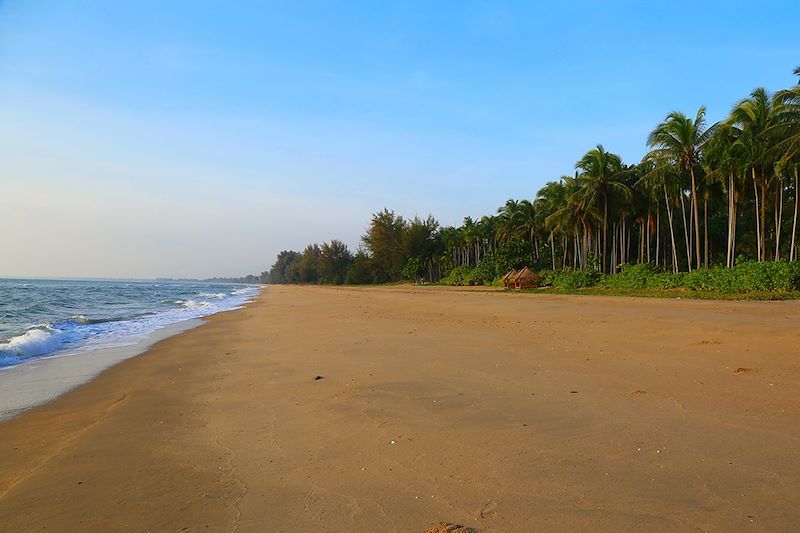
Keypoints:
(525, 223)
(505, 215)
(549, 199)
(757, 120)
(681, 140)
(599, 180)
(722, 161)
(656, 177)
(571, 220)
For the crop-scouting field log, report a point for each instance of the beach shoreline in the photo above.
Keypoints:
(43, 379)
(503, 412)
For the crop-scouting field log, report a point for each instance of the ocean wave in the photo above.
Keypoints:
(196, 305)
(244, 291)
(34, 342)
(124, 325)
(215, 295)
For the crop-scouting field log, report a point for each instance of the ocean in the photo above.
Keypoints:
(45, 318)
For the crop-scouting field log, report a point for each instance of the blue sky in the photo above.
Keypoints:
(178, 138)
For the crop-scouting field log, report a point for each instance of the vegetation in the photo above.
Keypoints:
(708, 208)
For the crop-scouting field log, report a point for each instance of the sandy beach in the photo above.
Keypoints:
(391, 409)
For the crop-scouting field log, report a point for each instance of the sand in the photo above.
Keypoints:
(432, 409)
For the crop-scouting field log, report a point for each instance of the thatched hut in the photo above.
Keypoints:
(508, 279)
(526, 279)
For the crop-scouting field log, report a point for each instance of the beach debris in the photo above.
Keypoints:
(317, 378)
(743, 370)
(449, 527)
(489, 510)
(392, 442)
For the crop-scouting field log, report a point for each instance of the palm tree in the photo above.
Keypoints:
(681, 139)
(722, 161)
(756, 118)
(570, 219)
(656, 177)
(524, 221)
(505, 215)
(599, 180)
(549, 199)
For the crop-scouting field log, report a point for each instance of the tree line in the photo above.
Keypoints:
(703, 195)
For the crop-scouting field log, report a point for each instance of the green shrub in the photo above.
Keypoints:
(632, 277)
(457, 276)
(549, 277)
(575, 279)
(777, 276)
(748, 276)
(414, 269)
(666, 280)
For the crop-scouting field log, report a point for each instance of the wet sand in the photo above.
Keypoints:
(500, 412)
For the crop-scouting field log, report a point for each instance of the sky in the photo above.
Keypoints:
(195, 139)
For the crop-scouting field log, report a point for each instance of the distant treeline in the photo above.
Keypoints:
(392, 249)
(701, 197)
(250, 279)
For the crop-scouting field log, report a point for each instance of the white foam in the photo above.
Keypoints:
(36, 341)
(215, 295)
(196, 305)
(245, 290)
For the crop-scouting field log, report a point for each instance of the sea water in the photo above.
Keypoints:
(57, 334)
(43, 318)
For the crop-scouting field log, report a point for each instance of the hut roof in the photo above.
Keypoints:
(509, 276)
(527, 275)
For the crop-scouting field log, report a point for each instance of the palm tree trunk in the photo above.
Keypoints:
(705, 229)
(552, 251)
(587, 234)
(730, 221)
(696, 217)
(793, 251)
(533, 246)
(628, 239)
(612, 255)
(647, 233)
(671, 232)
(605, 235)
(658, 233)
(641, 242)
(764, 218)
(758, 226)
(778, 219)
(734, 222)
(686, 231)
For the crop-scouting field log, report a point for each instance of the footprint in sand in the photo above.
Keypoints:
(743, 370)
